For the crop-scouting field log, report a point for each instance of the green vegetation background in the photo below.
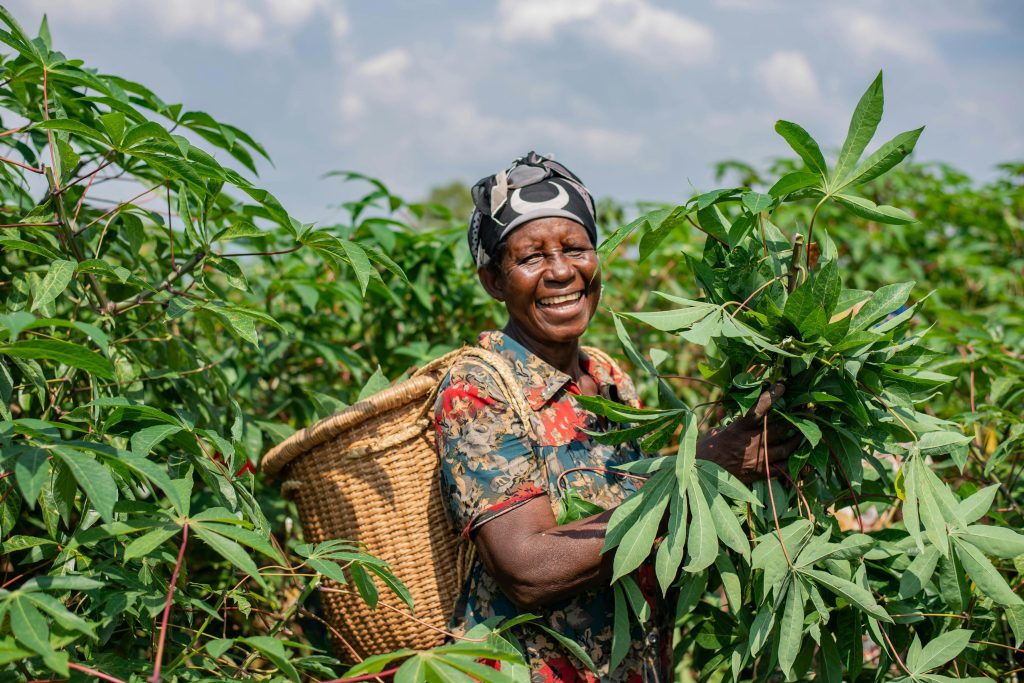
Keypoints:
(154, 345)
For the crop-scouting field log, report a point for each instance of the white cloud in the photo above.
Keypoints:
(417, 101)
(239, 25)
(789, 78)
(634, 27)
(868, 34)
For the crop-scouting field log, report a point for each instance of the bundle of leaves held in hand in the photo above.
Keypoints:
(801, 593)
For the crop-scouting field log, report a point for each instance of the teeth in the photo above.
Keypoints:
(551, 300)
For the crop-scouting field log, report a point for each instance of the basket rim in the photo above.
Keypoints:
(307, 438)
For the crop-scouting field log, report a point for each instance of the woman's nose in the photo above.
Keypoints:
(559, 267)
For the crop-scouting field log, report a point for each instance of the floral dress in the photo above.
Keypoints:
(491, 464)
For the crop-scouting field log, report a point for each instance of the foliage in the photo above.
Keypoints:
(163, 321)
(801, 590)
(151, 346)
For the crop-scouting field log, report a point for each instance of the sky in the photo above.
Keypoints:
(638, 97)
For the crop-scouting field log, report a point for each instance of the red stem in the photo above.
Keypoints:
(94, 672)
(771, 493)
(91, 175)
(48, 224)
(24, 166)
(364, 677)
(155, 678)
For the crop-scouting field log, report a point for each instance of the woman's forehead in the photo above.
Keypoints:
(547, 231)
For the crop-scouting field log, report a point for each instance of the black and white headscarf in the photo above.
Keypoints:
(532, 187)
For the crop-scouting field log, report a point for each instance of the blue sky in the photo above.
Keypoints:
(639, 97)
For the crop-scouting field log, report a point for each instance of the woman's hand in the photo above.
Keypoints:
(739, 448)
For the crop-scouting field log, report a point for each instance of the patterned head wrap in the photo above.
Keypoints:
(532, 187)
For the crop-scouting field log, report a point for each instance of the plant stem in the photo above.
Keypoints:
(810, 231)
(771, 493)
(19, 164)
(364, 677)
(94, 672)
(155, 678)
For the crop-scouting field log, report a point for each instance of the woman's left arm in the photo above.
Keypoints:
(536, 561)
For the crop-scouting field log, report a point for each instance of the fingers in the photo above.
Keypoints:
(765, 401)
(781, 451)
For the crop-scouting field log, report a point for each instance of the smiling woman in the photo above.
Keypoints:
(533, 235)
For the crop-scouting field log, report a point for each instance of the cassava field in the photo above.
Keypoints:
(154, 345)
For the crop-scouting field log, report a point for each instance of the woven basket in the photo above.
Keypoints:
(369, 474)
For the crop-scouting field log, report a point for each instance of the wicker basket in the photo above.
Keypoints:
(369, 474)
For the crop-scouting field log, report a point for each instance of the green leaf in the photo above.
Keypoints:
(761, 628)
(791, 628)
(702, 547)
(880, 213)
(672, 321)
(996, 541)
(56, 609)
(719, 479)
(148, 542)
(360, 262)
(572, 646)
(58, 276)
(638, 540)
(218, 646)
(882, 302)
(31, 471)
(727, 527)
(884, 158)
(377, 383)
(804, 145)
(393, 584)
(975, 506)
(670, 552)
(157, 476)
(573, 507)
(275, 652)
(939, 650)
(794, 181)
(849, 591)
(636, 599)
(69, 354)
(146, 438)
(939, 443)
(919, 573)
(757, 202)
(810, 430)
(826, 286)
(768, 554)
(29, 627)
(1015, 618)
(691, 589)
(862, 128)
(621, 638)
(230, 551)
(364, 584)
(94, 478)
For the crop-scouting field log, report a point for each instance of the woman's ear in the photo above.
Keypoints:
(492, 281)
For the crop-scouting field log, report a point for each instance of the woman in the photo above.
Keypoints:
(533, 236)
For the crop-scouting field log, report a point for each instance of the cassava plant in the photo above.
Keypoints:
(148, 294)
(805, 596)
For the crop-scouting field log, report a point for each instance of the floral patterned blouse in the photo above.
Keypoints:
(490, 465)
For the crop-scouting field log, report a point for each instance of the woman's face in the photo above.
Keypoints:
(549, 280)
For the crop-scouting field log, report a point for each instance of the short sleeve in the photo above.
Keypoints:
(487, 462)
